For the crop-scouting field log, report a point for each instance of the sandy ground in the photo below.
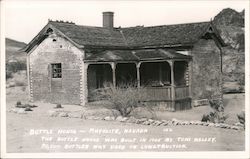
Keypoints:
(21, 139)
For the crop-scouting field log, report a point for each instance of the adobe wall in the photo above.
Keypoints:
(206, 70)
(66, 90)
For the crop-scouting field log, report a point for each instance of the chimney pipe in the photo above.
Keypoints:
(108, 21)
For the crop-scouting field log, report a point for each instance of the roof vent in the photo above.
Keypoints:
(108, 21)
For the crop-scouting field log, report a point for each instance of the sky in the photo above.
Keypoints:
(24, 19)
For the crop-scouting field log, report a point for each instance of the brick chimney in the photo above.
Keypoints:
(108, 21)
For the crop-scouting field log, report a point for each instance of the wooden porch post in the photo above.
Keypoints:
(84, 84)
(113, 66)
(172, 84)
(190, 78)
(138, 74)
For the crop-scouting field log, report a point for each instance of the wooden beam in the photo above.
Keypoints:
(138, 74)
(113, 66)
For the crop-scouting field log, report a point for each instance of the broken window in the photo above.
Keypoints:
(56, 70)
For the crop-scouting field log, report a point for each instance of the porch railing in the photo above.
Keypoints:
(164, 93)
(157, 93)
(181, 92)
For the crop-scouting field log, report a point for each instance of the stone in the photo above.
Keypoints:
(108, 118)
(145, 123)
(217, 124)
(131, 119)
(205, 123)
(239, 124)
(119, 118)
(28, 109)
(157, 123)
(235, 128)
(211, 124)
(21, 111)
(63, 114)
(124, 119)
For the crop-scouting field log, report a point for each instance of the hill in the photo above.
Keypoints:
(230, 24)
(13, 52)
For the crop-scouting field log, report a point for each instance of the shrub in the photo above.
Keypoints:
(241, 118)
(13, 67)
(58, 106)
(18, 103)
(124, 98)
(217, 115)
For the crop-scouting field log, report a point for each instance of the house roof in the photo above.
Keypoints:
(89, 35)
(136, 55)
(131, 37)
(179, 34)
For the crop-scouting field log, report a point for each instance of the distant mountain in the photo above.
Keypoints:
(230, 24)
(13, 52)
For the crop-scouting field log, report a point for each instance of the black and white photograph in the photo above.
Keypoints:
(122, 79)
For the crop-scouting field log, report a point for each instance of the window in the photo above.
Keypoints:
(56, 70)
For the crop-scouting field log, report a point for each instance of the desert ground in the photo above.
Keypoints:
(175, 138)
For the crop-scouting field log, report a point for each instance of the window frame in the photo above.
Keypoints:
(56, 70)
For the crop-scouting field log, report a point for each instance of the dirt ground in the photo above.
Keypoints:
(121, 136)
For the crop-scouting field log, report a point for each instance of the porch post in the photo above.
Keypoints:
(190, 78)
(113, 66)
(138, 74)
(84, 84)
(172, 84)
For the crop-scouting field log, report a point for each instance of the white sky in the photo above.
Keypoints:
(24, 19)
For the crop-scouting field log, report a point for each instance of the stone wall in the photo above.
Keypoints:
(206, 70)
(65, 90)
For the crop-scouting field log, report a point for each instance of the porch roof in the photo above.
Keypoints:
(136, 55)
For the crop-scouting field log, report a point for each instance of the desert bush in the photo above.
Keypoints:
(18, 103)
(58, 105)
(13, 67)
(125, 98)
(8, 74)
(217, 115)
(241, 117)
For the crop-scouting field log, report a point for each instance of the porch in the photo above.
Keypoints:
(164, 80)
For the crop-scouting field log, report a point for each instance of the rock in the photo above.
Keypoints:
(146, 123)
(108, 118)
(131, 119)
(28, 109)
(21, 111)
(222, 125)
(235, 127)
(217, 124)
(139, 121)
(205, 123)
(185, 123)
(239, 124)
(63, 114)
(142, 112)
(157, 123)
(119, 118)
(124, 119)
(211, 124)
